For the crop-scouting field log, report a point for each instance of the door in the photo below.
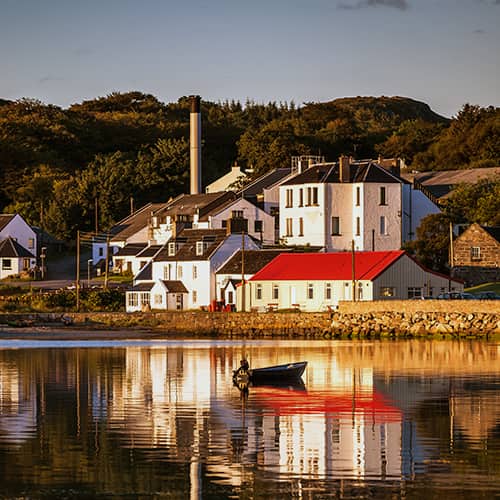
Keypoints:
(179, 302)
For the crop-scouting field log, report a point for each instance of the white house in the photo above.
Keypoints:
(147, 295)
(191, 258)
(15, 227)
(133, 257)
(318, 281)
(14, 258)
(228, 181)
(332, 204)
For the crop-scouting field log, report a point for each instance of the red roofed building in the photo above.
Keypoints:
(318, 281)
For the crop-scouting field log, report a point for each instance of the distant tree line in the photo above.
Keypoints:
(127, 149)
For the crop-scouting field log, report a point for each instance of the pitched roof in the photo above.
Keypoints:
(254, 260)
(145, 286)
(174, 286)
(360, 171)
(327, 266)
(265, 181)
(131, 249)
(186, 244)
(146, 273)
(149, 251)
(5, 219)
(11, 248)
(135, 222)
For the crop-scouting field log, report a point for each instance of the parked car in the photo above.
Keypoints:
(456, 296)
(487, 296)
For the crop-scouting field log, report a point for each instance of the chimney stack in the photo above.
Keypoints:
(344, 169)
(195, 145)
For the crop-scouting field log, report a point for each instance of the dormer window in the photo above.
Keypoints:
(200, 247)
(171, 249)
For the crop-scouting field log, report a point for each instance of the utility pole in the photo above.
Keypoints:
(353, 272)
(77, 270)
(243, 304)
(452, 257)
(107, 263)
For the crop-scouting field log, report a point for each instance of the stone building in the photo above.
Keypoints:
(476, 255)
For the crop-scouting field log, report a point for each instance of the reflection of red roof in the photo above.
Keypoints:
(327, 266)
(295, 402)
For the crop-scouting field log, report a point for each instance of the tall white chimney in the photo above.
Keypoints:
(195, 145)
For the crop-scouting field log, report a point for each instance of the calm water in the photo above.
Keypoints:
(408, 419)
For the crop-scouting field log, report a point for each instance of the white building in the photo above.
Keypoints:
(332, 204)
(318, 281)
(228, 181)
(15, 227)
(14, 258)
(192, 259)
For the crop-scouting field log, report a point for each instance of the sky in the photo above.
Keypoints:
(445, 53)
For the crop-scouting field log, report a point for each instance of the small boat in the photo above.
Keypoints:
(289, 371)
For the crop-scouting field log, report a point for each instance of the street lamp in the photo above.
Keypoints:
(89, 263)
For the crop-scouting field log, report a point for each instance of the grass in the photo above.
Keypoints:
(485, 287)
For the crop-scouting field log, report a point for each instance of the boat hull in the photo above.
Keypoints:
(286, 372)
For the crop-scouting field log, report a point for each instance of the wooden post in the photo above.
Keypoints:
(243, 305)
(107, 263)
(77, 271)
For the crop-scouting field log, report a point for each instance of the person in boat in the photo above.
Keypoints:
(244, 367)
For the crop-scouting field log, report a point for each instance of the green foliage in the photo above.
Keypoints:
(55, 162)
(431, 246)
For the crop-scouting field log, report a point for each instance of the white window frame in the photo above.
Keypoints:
(475, 253)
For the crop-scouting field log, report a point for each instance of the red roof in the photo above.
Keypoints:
(327, 266)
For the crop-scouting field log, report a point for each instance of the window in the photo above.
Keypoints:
(382, 200)
(383, 228)
(195, 296)
(358, 196)
(328, 291)
(166, 274)
(195, 272)
(26, 264)
(258, 292)
(257, 226)
(301, 226)
(132, 299)
(171, 249)
(358, 226)
(387, 291)
(360, 291)
(475, 253)
(223, 224)
(276, 292)
(310, 291)
(289, 198)
(301, 197)
(237, 214)
(179, 272)
(200, 247)
(101, 251)
(289, 227)
(414, 291)
(336, 226)
(312, 196)
(230, 297)
(145, 298)
(7, 264)
(158, 299)
(31, 242)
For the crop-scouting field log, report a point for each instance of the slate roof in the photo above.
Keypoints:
(189, 204)
(254, 261)
(132, 249)
(134, 223)
(11, 248)
(187, 244)
(174, 286)
(363, 171)
(149, 251)
(327, 266)
(5, 219)
(145, 286)
(493, 231)
(146, 273)
(264, 181)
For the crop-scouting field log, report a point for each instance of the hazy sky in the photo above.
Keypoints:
(443, 52)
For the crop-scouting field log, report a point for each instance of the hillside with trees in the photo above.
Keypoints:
(130, 147)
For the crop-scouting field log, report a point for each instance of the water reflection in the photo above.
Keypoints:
(165, 417)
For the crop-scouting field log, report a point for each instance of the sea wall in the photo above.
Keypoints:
(396, 319)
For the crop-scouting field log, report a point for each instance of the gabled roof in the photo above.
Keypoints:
(132, 249)
(146, 273)
(149, 251)
(254, 261)
(361, 171)
(327, 266)
(265, 181)
(5, 219)
(135, 222)
(493, 231)
(190, 204)
(174, 286)
(11, 248)
(145, 286)
(186, 244)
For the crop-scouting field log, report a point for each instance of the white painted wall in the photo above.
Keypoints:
(20, 231)
(224, 182)
(416, 206)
